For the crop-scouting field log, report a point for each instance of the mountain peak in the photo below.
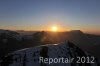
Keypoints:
(32, 56)
(76, 32)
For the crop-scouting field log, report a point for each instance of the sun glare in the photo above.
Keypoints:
(54, 28)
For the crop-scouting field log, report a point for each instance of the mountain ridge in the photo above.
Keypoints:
(30, 56)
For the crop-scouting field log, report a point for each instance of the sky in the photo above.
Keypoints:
(42, 14)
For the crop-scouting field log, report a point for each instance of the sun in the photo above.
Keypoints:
(54, 28)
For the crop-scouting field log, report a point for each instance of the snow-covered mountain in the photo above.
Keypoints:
(6, 35)
(50, 55)
(8, 32)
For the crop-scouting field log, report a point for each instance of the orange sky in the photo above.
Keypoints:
(48, 28)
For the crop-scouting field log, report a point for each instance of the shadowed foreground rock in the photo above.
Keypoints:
(66, 50)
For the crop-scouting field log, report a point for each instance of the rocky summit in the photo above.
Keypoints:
(62, 54)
